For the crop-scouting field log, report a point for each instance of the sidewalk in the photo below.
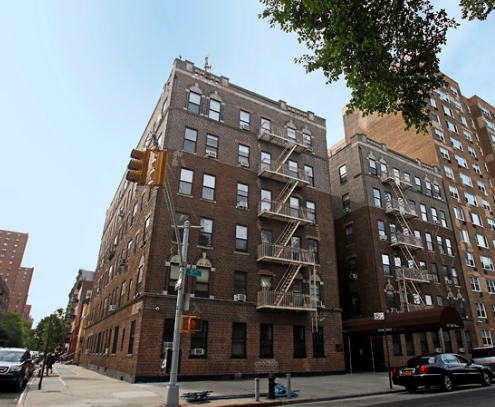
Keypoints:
(74, 386)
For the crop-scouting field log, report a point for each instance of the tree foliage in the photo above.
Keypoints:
(386, 49)
(15, 331)
(56, 330)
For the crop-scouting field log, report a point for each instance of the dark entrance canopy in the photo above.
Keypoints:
(416, 321)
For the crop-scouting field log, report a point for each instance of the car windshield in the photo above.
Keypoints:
(10, 356)
(421, 360)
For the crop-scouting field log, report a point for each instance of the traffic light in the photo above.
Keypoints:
(158, 170)
(191, 324)
(138, 166)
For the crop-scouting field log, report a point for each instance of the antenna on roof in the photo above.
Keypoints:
(208, 67)
(180, 55)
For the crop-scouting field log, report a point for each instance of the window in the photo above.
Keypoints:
(481, 240)
(241, 238)
(439, 300)
(443, 96)
(202, 288)
(309, 175)
(470, 199)
(239, 339)
(472, 151)
(454, 193)
(461, 161)
(444, 153)
(199, 340)
(266, 159)
(476, 168)
(208, 187)
(455, 276)
(266, 341)
(244, 120)
(458, 105)
(469, 259)
(311, 211)
(186, 180)
(424, 343)
(381, 228)
(467, 134)
(466, 180)
(434, 272)
(475, 283)
(266, 200)
(346, 201)
(481, 186)
(299, 340)
(214, 111)
(435, 118)
(377, 198)
(211, 145)
(410, 344)
(343, 174)
(434, 215)
(291, 135)
(349, 234)
(486, 205)
(194, 102)
(384, 170)
(486, 263)
(313, 247)
(480, 310)
(242, 195)
(453, 128)
(491, 286)
(491, 223)
(243, 155)
(190, 138)
(448, 111)
(439, 134)
(386, 264)
(443, 218)
(266, 125)
(428, 299)
(424, 214)
(132, 332)
(351, 265)
(448, 245)
(293, 168)
(448, 171)
(476, 219)
(487, 337)
(432, 102)
(308, 141)
(447, 342)
(115, 339)
(397, 345)
(356, 304)
(266, 282)
(372, 164)
(458, 213)
(318, 343)
(440, 245)
(206, 232)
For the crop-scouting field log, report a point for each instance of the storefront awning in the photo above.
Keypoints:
(406, 322)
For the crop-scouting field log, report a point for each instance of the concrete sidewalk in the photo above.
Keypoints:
(75, 386)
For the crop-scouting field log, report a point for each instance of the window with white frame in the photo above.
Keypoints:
(461, 161)
(429, 190)
(464, 235)
(419, 186)
(208, 187)
(481, 240)
(437, 191)
(458, 213)
(458, 105)
(429, 241)
(435, 118)
(491, 223)
(186, 181)
(476, 219)
(241, 234)
(453, 128)
(490, 284)
(432, 102)
(214, 111)
(266, 125)
(455, 276)
(343, 173)
(486, 205)
(194, 102)
(434, 215)
(377, 198)
(463, 121)
(476, 168)
(490, 124)
(443, 96)
(467, 135)
(448, 171)
(448, 111)
(441, 248)
(472, 151)
(480, 310)
(439, 134)
(424, 214)
(448, 245)
(486, 262)
(481, 186)
(470, 199)
(190, 138)
(244, 119)
(487, 336)
(243, 155)
(454, 91)
(485, 110)
(466, 180)
(454, 193)
(469, 259)
(444, 153)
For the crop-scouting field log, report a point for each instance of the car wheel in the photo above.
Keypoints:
(412, 388)
(486, 379)
(447, 384)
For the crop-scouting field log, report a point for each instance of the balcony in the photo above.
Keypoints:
(284, 212)
(399, 181)
(414, 307)
(284, 173)
(409, 241)
(282, 141)
(274, 253)
(286, 300)
(399, 207)
(413, 274)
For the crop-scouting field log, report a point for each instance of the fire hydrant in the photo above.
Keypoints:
(271, 386)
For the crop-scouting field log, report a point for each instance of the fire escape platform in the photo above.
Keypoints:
(398, 240)
(286, 301)
(282, 141)
(398, 181)
(283, 175)
(413, 274)
(284, 213)
(273, 253)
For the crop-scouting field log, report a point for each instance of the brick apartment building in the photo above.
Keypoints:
(79, 296)
(460, 142)
(396, 254)
(253, 173)
(4, 297)
(16, 277)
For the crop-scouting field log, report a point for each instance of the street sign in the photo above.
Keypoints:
(193, 272)
(379, 316)
(177, 285)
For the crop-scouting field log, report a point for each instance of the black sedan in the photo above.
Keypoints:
(446, 370)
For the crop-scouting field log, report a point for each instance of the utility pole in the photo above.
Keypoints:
(173, 387)
(47, 345)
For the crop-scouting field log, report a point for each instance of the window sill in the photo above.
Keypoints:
(243, 253)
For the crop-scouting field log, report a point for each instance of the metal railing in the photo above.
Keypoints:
(285, 254)
(289, 300)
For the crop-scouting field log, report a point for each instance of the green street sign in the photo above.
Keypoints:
(192, 272)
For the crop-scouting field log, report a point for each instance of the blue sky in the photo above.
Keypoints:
(78, 83)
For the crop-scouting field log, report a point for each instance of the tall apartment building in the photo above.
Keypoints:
(253, 173)
(396, 255)
(4, 297)
(460, 142)
(17, 278)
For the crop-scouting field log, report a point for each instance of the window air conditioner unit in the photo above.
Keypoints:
(240, 297)
(310, 149)
(353, 276)
(86, 352)
(142, 243)
(318, 304)
(460, 350)
(448, 281)
(121, 212)
(438, 350)
(197, 351)
(211, 154)
(245, 126)
(244, 164)
(393, 310)
(242, 205)
(137, 295)
(383, 237)
(107, 350)
(111, 308)
(347, 210)
(437, 222)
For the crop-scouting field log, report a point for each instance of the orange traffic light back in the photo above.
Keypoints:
(158, 168)
(138, 166)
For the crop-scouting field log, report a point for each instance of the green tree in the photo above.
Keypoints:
(57, 331)
(15, 331)
(387, 50)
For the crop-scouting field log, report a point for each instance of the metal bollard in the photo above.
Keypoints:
(288, 386)
(256, 389)
(271, 386)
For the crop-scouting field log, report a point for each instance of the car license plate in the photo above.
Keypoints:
(407, 372)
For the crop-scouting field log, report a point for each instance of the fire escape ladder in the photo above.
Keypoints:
(285, 236)
(286, 193)
(285, 154)
(286, 281)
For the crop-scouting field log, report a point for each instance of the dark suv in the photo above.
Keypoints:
(16, 366)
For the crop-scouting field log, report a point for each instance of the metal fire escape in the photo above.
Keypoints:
(411, 276)
(281, 209)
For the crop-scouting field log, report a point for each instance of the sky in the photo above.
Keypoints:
(80, 79)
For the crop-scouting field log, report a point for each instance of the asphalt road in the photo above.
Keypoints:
(8, 397)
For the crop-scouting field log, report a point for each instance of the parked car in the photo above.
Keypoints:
(446, 370)
(485, 356)
(16, 366)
